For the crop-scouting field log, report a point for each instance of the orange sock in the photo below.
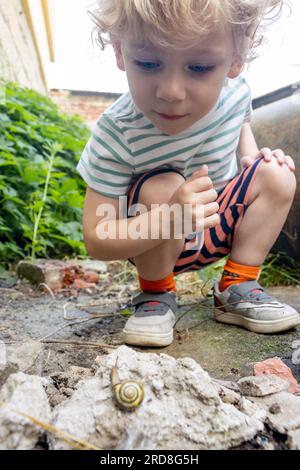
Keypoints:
(166, 284)
(235, 273)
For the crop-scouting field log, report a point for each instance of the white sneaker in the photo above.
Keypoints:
(151, 323)
(248, 305)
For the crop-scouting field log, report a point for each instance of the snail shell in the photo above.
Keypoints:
(128, 394)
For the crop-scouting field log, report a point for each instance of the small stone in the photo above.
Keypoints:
(251, 409)
(22, 394)
(277, 367)
(274, 409)
(92, 265)
(6, 370)
(71, 272)
(42, 272)
(91, 276)
(268, 446)
(262, 385)
(24, 355)
(288, 418)
(228, 384)
(229, 396)
(81, 284)
(293, 440)
(8, 279)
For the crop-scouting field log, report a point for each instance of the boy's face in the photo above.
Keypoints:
(175, 88)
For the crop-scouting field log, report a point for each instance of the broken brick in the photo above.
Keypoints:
(91, 276)
(277, 367)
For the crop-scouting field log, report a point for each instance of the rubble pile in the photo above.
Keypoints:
(183, 407)
(57, 274)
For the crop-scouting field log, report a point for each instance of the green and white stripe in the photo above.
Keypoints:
(125, 143)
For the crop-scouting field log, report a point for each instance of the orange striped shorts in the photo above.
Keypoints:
(200, 251)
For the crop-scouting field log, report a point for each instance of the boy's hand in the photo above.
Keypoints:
(197, 198)
(267, 155)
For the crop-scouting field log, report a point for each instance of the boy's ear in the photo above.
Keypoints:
(236, 68)
(119, 56)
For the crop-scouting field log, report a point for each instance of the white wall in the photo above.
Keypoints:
(18, 57)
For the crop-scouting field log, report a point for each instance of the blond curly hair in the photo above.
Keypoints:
(182, 23)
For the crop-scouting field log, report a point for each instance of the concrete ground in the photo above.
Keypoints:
(224, 351)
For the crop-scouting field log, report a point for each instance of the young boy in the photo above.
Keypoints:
(175, 138)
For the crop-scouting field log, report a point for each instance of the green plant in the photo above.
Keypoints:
(280, 270)
(38, 207)
(213, 272)
(41, 193)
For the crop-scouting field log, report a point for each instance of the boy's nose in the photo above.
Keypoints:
(170, 89)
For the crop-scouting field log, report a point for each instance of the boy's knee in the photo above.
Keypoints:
(160, 188)
(278, 179)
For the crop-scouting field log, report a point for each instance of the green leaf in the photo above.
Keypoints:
(33, 134)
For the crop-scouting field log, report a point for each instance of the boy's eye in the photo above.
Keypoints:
(147, 65)
(200, 68)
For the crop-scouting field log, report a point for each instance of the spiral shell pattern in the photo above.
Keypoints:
(129, 394)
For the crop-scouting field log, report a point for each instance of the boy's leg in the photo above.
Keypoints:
(269, 201)
(158, 263)
(155, 308)
(253, 209)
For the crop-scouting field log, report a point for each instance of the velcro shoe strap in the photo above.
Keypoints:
(246, 290)
(245, 287)
(164, 298)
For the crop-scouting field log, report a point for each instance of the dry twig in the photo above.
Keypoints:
(80, 343)
(63, 435)
(48, 289)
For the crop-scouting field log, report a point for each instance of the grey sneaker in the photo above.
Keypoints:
(249, 306)
(151, 323)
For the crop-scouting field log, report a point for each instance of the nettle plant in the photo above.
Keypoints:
(41, 193)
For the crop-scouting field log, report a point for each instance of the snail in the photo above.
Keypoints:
(128, 394)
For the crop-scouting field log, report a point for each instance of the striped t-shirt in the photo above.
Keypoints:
(125, 143)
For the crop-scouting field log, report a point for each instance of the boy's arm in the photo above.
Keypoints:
(248, 151)
(112, 247)
(247, 145)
